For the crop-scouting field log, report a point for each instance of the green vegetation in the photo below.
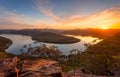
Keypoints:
(104, 55)
(3, 55)
(57, 40)
(43, 36)
(4, 43)
(101, 33)
(99, 59)
(42, 51)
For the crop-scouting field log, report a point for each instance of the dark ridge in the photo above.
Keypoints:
(48, 36)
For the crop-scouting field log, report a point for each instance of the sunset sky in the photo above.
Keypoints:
(59, 14)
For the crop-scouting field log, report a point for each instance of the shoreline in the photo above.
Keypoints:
(71, 40)
(4, 43)
(56, 39)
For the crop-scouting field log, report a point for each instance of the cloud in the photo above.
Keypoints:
(10, 19)
(45, 7)
(105, 18)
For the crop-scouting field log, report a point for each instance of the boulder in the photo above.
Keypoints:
(12, 67)
(41, 68)
(7, 67)
(80, 73)
(38, 68)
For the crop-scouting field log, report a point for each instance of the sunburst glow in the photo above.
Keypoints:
(105, 27)
(47, 14)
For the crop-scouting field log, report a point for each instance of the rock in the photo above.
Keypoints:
(116, 72)
(75, 73)
(7, 67)
(80, 73)
(41, 68)
(11, 67)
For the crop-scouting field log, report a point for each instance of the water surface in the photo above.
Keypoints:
(20, 40)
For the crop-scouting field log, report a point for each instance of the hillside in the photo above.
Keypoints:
(99, 59)
(101, 33)
(104, 55)
(43, 36)
(4, 43)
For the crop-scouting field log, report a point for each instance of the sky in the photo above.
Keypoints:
(59, 14)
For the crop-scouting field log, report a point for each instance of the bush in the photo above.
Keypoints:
(3, 55)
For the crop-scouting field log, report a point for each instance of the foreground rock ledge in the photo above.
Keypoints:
(39, 68)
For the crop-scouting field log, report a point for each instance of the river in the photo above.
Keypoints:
(20, 40)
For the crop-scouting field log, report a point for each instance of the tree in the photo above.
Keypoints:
(44, 52)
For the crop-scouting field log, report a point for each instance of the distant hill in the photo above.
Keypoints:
(101, 33)
(30, 31)
(49, 36)
(56, 36)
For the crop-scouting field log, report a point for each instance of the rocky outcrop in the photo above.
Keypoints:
(39, 68)
(7, 67)
(13, 67)
(79, 73)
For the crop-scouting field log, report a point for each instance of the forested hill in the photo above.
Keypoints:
(56, 36)
(30, 31)
(4, 43)
(103, 57)
(101, 33)
(84, 32)
(49, 36)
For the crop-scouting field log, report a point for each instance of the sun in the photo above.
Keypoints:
(105, 27)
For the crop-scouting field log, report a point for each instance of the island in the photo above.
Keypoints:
(49, 37)
(43, 36)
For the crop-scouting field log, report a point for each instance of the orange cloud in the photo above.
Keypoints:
(103, 19)
(116, 25)
(109, 18)
(12, 20)
(99, 20)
